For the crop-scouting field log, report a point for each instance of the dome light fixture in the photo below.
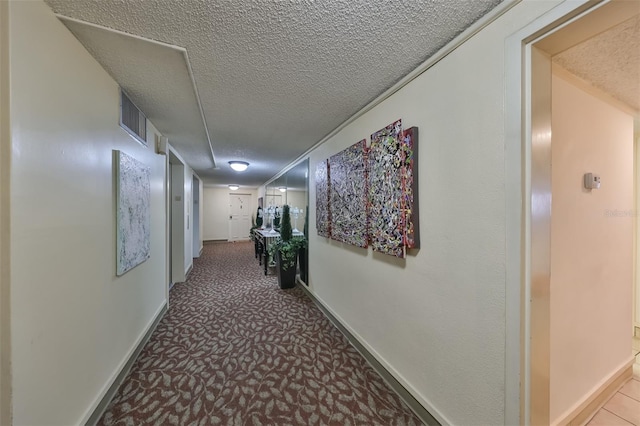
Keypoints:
(239, 166)
(282, 189)
(234, 187)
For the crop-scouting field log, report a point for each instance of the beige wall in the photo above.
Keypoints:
(216, 210)
(74, 323)
(591, 245)
(297, 199)
(437, 320)
(637, 216)
(5, 152)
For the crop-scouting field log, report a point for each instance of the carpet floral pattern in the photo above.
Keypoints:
(234, 349)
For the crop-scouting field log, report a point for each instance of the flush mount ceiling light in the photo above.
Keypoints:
(282, 189)
(239, 166)
(233, 187)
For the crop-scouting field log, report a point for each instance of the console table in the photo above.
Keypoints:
(264, 238)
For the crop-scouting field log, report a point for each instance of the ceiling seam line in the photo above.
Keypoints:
(180, 49)
(202, 116)
(112, 30)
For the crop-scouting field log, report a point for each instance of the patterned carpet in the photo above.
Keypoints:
(234, 349)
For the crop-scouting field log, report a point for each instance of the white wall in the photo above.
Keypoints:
(74, 322)
(197, 217)
(215, 203)
(188, 223)
(437, 320)
(591, 244)
(5, 152)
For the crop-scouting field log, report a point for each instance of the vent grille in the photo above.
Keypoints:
(132, 119)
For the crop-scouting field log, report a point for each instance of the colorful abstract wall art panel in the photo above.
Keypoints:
(323, 222)
(388, 156)
(348, 195)
(410, 185)
(369, 196)
(133, 218)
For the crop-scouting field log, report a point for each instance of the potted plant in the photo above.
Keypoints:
(285, 252)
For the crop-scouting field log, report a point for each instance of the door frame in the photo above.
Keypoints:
(528, 200)
(196, 220)
(635, 325)
(176, 213)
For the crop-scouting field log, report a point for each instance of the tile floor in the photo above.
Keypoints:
(624, 407)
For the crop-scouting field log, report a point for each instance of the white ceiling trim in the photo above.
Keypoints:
(181, 50)
(472, 30)
(202, 116)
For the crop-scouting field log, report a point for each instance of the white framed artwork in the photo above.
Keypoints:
(133, 212)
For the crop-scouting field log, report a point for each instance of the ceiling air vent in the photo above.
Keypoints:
(132, 119)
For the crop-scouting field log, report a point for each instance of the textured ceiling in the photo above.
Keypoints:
(274, 77)
(609, 61)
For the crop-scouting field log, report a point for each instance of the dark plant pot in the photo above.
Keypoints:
(286, 277)
(302, 261)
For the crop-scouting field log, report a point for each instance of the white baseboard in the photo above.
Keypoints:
(418, 404)
(100, 404)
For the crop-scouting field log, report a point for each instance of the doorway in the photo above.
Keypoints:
(197, 240)
(579, 255)
(169, 228)
(177, 216)
(239, 217)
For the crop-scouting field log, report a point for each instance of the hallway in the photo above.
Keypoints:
(235, 349)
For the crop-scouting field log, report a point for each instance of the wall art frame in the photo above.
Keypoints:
(133, 212)
(393, 220)
(348, 191)
(323, 217)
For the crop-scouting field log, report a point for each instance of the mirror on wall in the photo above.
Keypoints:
(291, 188)
(297, 198)
(275, 198)
(272, 200)
(297, 194)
